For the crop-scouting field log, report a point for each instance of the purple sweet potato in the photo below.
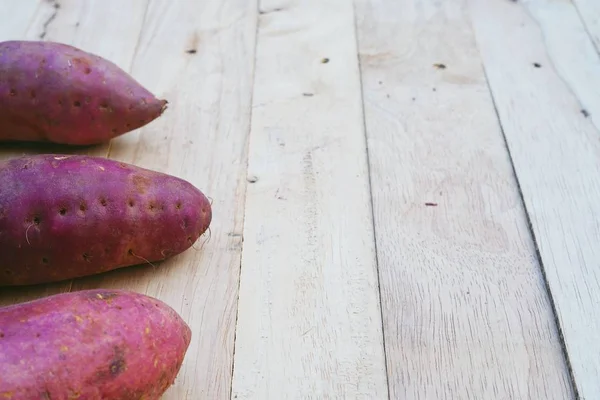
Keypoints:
(64, 217)
(89, 345)
(53, 92)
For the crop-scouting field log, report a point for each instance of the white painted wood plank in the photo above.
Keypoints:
(15, 18)
(110, 28)
(589, 12)
(199, 56)
(309, 323)
(466, 313)
(540, 81)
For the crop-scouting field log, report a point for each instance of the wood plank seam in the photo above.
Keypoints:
(586, 24)
(370, 186)
(559, 329)
(246, 151)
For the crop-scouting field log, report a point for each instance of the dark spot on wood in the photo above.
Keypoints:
(324, 60)
(178, 205)
(62, 211)
(585, 112)
(439, 66)
(191, 51)
(263, 12)
(151, 206)
(56, 6)
(537, 65)
(431, 204)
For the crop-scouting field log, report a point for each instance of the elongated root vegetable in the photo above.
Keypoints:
(53, 92)
(64, 217)
(91, 344)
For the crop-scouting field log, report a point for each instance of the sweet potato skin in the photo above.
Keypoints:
(53, 92)
(90, 345)
(64, 217)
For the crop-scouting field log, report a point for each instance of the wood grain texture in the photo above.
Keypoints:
(94, 26)
(538, 81)
(466, 314)
(309, 322)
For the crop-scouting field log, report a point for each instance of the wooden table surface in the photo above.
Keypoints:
(406, 193)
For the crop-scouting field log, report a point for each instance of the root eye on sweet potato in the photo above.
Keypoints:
(91, 344)
(53, 92)
(64, 217)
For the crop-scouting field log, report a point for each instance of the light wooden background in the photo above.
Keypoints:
(406, 193)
